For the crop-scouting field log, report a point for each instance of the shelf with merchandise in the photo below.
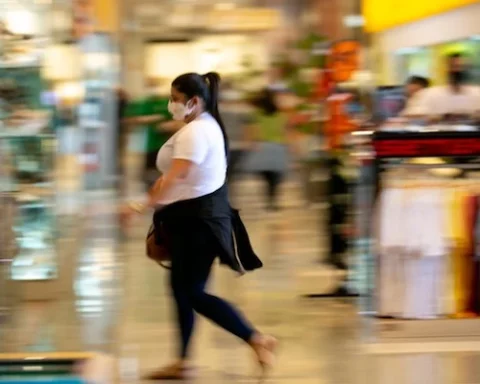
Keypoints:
(27, 165)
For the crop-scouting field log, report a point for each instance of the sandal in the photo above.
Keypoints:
(170, 372)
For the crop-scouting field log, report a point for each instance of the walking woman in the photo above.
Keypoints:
(269, 155)
(192, 208)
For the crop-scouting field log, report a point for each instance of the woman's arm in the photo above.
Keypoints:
(178, 170)
(156, 186)
(190, 147)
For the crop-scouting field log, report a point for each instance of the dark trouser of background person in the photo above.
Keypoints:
(314, 186)
(122, 143)
(234, 160)
(337, 197)
(273, 180)
(193, 250)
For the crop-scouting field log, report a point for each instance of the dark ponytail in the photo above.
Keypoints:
(213, 81)
(207, 88)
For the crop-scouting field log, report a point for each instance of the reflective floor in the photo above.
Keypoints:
(120, 304)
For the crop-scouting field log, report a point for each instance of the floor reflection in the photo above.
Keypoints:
(120, 302)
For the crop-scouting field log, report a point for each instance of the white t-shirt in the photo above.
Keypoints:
(201, 142)
(416, 104)
(443, 100)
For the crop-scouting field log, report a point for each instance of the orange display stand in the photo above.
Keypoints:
(339, 122)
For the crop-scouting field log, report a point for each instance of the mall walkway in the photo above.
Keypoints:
(119, 304)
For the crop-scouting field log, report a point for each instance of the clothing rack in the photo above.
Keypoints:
(460, 150)
(433, 166)
(462, 146)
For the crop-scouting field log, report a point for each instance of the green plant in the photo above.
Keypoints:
(311, 55)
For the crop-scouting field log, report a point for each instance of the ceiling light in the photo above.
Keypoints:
(21, 21)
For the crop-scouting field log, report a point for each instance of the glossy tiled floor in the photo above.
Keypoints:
(119, 303)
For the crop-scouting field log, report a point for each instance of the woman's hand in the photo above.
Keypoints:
(126, 214)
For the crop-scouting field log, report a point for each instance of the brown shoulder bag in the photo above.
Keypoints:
(158, 252)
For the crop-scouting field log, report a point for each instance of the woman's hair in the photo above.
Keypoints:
(205, 87)
(266, 102)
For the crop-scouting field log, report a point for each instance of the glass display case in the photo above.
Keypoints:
(27, 175)
(97, 117)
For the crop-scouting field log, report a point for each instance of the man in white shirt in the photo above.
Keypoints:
(458, 98)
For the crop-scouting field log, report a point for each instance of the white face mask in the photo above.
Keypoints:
(179, 110)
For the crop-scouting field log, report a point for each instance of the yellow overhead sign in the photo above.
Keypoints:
(380, 15)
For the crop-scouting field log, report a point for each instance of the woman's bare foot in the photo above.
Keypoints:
(175, 371)
(265, 347)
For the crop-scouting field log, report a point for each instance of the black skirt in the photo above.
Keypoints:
(213, 211)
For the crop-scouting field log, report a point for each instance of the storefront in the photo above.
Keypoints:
(240, 43)
(427, 61)
(47, 70)
(27, 148)
(416, 40)
(46, 74)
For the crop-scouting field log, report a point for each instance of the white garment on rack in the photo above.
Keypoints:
(423, 288)
(434, 236)
(389, 218)
(391, 285)
(412, 250)
(425, 263)
(390, 253)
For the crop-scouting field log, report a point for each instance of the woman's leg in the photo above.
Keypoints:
(184, 309)
(193, 253)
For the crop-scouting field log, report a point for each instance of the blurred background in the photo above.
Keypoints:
(355, 157)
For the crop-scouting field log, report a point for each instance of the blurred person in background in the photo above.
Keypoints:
(269, 156)
(276, 80)
(122, 133)
(194, 217)
(151, 113)
(415, 84)
(237, 116)
(456, 100)
(355, 106)
(414, 89)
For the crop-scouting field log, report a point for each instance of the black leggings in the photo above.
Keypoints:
(193, 250)
(273, 180)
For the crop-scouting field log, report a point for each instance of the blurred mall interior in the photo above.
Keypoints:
(373, 102)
